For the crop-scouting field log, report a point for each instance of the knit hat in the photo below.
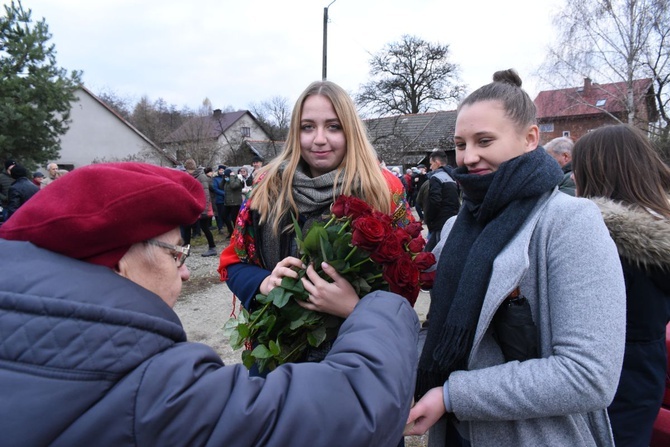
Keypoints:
(221, 167)
(19, 171)
(9, 163)
(227, 172)
(95, 213)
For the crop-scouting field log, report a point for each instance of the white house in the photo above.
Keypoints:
(217, 138)
(98, 134)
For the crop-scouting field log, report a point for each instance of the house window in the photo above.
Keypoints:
(601, 102)
(547, 127)
(246, 131)
(566, 133)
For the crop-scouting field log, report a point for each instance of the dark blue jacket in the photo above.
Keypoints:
(217, 186)
(642, 241)
(88, 357)
(19, 193)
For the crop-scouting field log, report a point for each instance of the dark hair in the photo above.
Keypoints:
(506, 88)
(19, 171)
(440, 156)
(620, 163)
(208, 170)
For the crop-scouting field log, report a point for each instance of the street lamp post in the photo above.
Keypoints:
(325, 41)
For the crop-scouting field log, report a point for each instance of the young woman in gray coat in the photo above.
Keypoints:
(519, 244)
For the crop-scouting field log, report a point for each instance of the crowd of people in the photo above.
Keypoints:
(16, 188)
(547, 316)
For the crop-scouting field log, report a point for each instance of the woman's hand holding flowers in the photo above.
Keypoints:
(287, 267)
(335, 298)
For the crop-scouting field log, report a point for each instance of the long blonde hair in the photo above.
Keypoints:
(359, 173)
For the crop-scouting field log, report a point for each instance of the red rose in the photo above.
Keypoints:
(414, 229)
(424, 260)
(352, 207)
(367, 233)
(403, 236)
(403, 277)
(426, 279)
(357, 208)
(385, 219)
(339, 206)
(390, 249)
(416, 245)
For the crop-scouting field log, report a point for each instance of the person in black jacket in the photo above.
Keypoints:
(21, 190)
(617, 168)
(91, 352)
(442, 200)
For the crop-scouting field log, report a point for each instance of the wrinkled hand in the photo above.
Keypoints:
(336, 298)
(285, 267)
(425, 413)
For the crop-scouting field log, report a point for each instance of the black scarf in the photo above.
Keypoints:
(495, 206)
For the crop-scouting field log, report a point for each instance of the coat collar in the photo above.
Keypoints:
(640, 237)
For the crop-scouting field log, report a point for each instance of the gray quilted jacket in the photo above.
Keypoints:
(90, 358)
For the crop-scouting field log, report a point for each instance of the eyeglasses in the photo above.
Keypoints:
(178, 252)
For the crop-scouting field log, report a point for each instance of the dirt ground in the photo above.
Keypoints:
(206, 304)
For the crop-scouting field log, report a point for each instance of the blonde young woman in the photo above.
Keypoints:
(518, 243)
(327, 154)
(617, 168)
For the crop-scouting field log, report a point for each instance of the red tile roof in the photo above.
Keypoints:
(588, 99)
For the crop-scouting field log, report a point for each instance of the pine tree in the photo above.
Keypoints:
(35, 94)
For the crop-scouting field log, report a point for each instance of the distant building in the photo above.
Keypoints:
(266, 149)
(217, 138)
(572, 112)
(97, 133)
(408, 140)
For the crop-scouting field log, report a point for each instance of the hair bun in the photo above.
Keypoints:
(509, 76)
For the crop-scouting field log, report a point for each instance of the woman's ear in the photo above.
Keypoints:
(532, 137)
(122, 267)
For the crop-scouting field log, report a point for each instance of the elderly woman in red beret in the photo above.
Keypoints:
(91, 352)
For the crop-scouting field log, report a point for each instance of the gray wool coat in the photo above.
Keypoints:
(565, 263)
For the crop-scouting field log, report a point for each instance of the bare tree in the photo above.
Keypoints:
(157, 120)
(121, 105)
(198, 138)
(410, 76)
(615, 41)
(274, 116)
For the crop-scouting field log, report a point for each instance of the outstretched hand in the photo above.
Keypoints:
(336, 298)
(428, 410)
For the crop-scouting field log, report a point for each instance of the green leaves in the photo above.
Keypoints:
(280, 329)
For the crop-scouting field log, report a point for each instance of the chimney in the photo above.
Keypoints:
(587, 84)
(217, 113)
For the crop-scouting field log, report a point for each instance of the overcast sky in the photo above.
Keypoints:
(236, 52)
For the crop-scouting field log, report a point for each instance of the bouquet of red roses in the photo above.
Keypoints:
(366, 247)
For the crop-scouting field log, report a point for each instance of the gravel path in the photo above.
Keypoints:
(206, 304)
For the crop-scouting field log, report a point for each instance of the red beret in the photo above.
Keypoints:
(95, 213)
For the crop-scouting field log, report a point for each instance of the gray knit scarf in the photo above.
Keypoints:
(495, 206)
(313, 196)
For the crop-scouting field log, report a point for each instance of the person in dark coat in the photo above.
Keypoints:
(91, 352)
(418, 180)
(442, 198)
(6, 181)
(607, 163)
(232, 187)
(21, 190)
